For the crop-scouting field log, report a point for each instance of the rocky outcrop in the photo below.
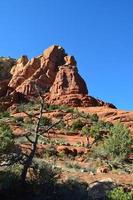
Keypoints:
(68, 81)
(70, 89)
(40, 71)
(53, 71)
(5, 75)
(5, 67)
(21, 62)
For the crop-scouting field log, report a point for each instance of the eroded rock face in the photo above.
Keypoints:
(70, 89)
(68, 81)
(21, 62)
(40, 71)
(53, 71)
(5, 75)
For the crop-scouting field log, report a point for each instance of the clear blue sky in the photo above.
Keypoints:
(99, 33)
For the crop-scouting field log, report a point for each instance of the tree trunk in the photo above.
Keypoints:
(28, 162)
(88, 141)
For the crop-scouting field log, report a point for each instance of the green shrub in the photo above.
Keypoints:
(119, 194)
(6, 138)
(86, 130)
(117, 145)
(69, 110)
(61, 125)
(26, 107)
(94, 117)
(45, 121)
(52, 107)
(95, 131)
(75, 166)
(4, 114)
(46, 173)
(77, 125)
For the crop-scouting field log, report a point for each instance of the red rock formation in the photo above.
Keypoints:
(5, 75)
(69, 88)
(40, 71)
(68, 81)
(53, 69)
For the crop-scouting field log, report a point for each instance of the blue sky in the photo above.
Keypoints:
(99, 33)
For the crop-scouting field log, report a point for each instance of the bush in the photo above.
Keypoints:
(4, 114)
(119, 194)
(86, 130)
(94, 117)
(52, 107)
(77, 125)
(47, 174)
(45, 121)
(118, 144)
(6, 138)
(26, 107)
(60, 125)
(95, 131)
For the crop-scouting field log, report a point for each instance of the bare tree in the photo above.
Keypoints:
(38, 132)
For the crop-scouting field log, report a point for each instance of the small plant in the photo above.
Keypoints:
(6, 138)
(51, 151)
(119, 194)
(4, 114)
(86, 132)
(30, 106)
(73, 165)
(94, 117)
(77, 125)
(61, 125)
(52, 107)
(45, 121)
(47, 174)
(79, 144)
(69, 110)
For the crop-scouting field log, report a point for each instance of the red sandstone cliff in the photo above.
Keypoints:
(56, 70)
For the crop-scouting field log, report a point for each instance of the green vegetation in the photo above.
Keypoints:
(77, 125)
(4, 114)
(45, 121)
(94, 118)
(65, 108)
(119, 194)
(61, 125)
(111, 143)
(6, 139)
(116, 146)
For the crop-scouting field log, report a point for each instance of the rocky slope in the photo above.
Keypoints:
(112, 115)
